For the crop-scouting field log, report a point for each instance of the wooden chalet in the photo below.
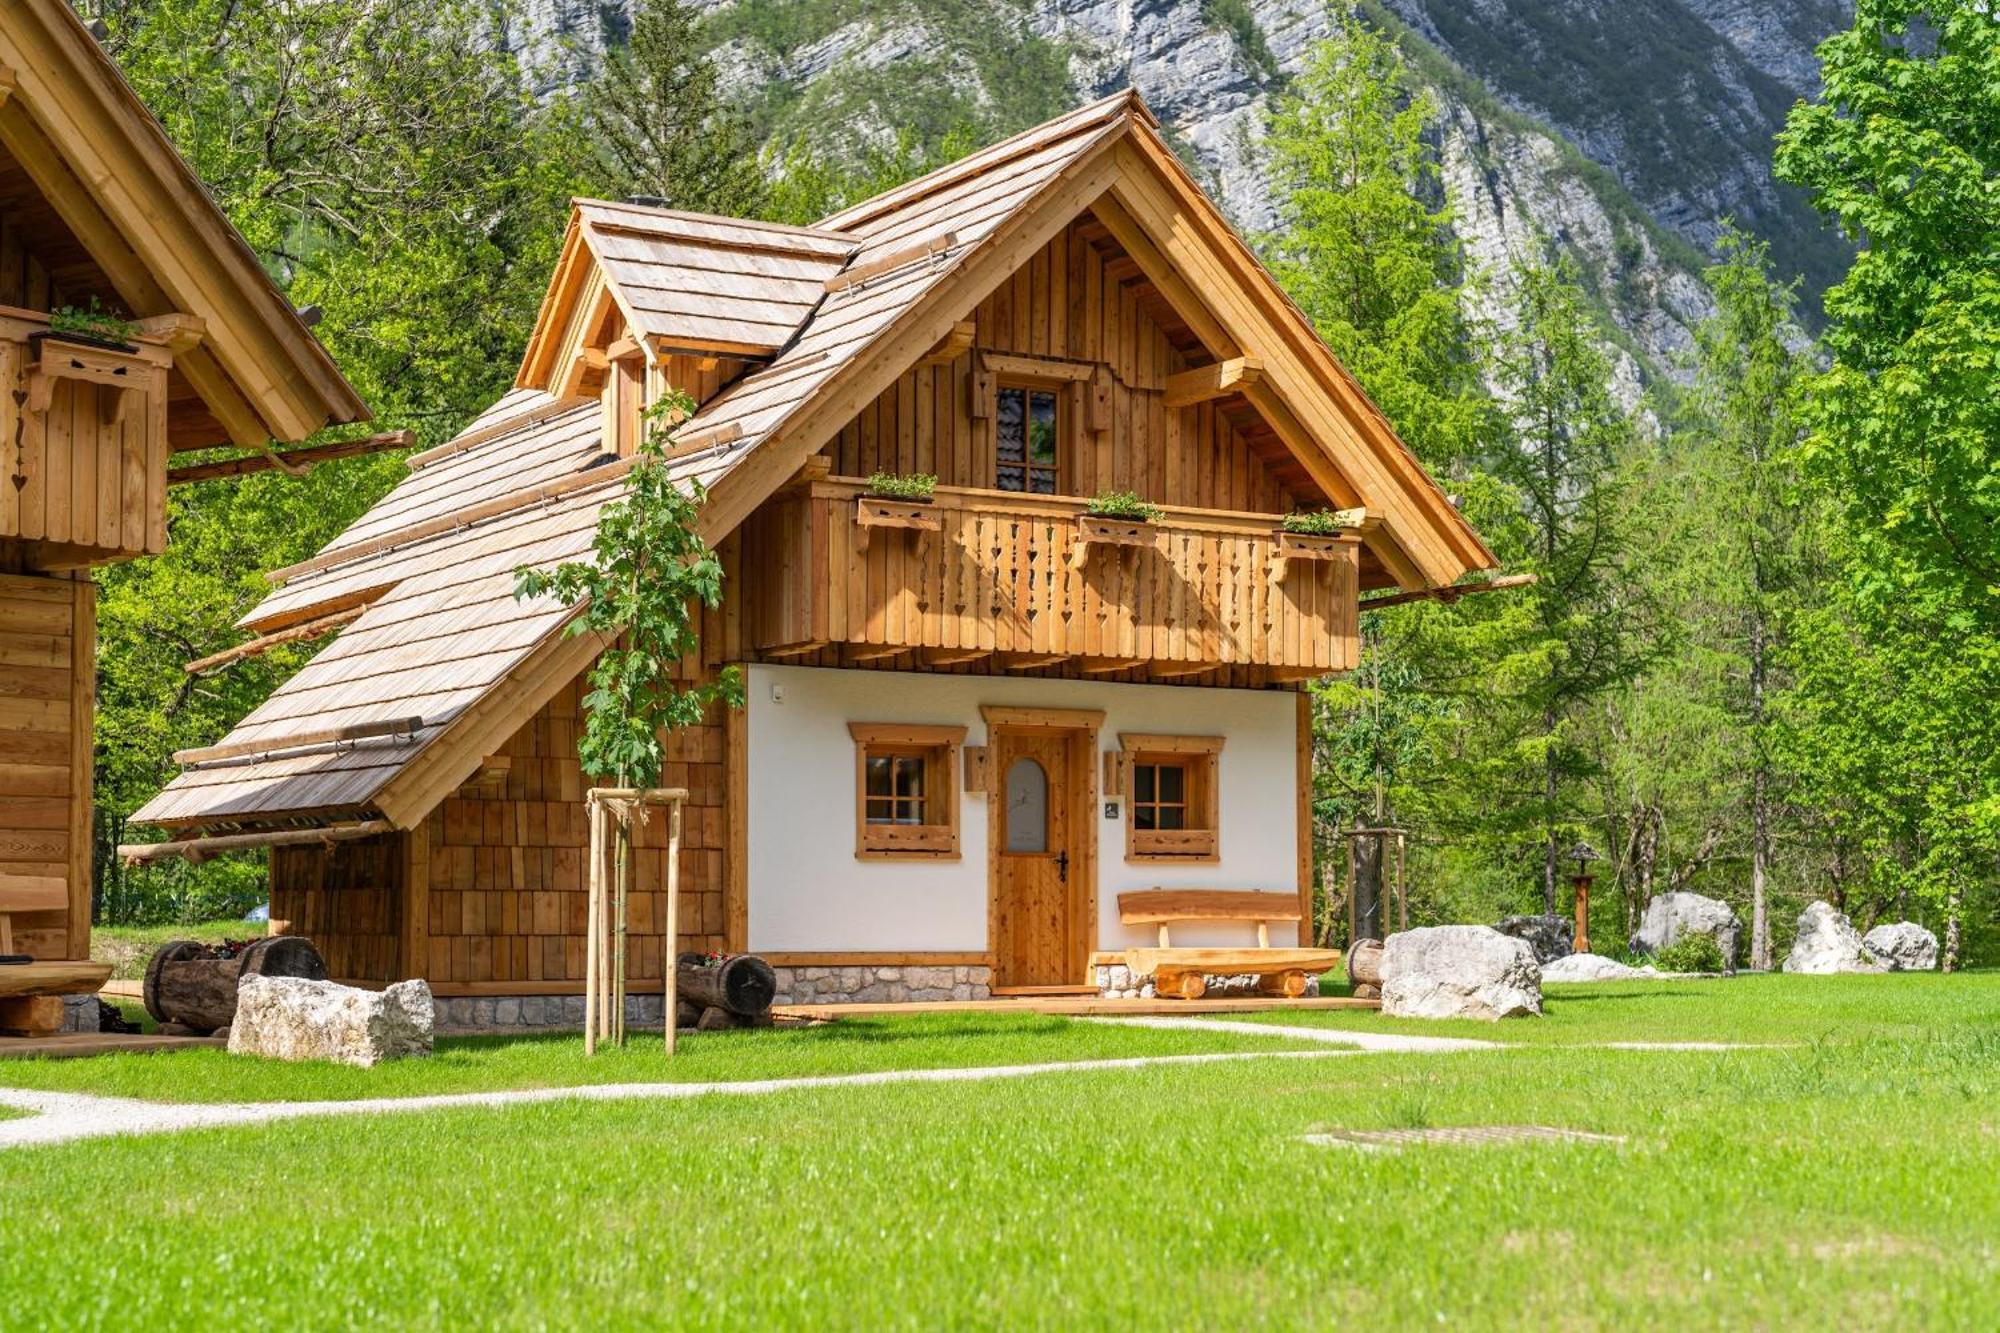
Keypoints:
(96, 207)
(972, 724)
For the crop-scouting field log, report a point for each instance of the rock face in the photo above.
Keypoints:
(1459, 972)
(1551, 937)
(1671, 915)
(1903, 947)
(1827, 942)
(1675, 101)
(291, 1018)
(1594, 967)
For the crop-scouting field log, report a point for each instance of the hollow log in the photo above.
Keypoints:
(187, 987)
(743, 984)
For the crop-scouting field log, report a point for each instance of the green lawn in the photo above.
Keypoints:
(479, 1064)
(129, 948)
(1767, 1007)
(1848, 1180)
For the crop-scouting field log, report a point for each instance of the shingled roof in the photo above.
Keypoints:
(840, 310)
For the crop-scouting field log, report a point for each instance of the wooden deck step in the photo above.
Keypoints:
(1012, 992)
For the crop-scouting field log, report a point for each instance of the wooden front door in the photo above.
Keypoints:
(1042, 870)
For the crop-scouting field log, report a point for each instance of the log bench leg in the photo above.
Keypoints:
(31, 1015)
(1291, 984)
(1177, 985)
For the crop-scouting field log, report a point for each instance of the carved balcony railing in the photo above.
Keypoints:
(1034, 581)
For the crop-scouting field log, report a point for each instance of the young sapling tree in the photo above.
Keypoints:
(648, 567)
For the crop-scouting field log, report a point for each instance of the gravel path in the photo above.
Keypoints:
(1399, 1042)
(63, 1117)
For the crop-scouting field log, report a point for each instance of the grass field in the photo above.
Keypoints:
(1848, 1179)
(481, 1064)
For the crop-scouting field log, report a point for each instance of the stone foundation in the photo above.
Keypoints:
(504, 1013)
(796, 985)
(881, 985)
(1115, 981)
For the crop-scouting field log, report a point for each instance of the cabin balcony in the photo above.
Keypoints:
(1032, 581)
(83, 445)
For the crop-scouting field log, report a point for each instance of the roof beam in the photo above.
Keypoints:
(287, 460)
(312, 629)
(197, 850)
(1206, 383)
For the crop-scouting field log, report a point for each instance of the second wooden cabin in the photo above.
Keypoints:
(972, 723)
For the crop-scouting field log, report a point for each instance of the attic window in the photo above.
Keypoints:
(1029, 425)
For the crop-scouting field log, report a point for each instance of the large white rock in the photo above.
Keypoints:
(1671, 915)
(1594, 967)
(291, 1018)
(1902, 947)
(1827, 942)
(1459, 972)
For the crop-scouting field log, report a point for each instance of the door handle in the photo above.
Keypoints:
(1062, 866)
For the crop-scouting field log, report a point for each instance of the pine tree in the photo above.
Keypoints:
(660, 130)
(1594, 624)
(1744, 432)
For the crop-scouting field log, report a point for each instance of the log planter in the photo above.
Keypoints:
(734, 991)
(194, 985)
(740, 983)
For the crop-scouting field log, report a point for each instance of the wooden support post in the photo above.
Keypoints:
(670, 951)
(592, 963)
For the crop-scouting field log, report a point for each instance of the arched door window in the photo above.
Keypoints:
(1027, 807)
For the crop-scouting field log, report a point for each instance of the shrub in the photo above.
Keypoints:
(1122, 504)
(901, 486)
(1315, 523)
(1690, 953)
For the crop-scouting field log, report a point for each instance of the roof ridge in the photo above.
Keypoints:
(1126, 101)
(687, 215)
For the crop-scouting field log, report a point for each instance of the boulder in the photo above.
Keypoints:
(1551, 937)
(294, 1018)
(1827, 942)
(1594, 967)
(1902, 947)
(1459, 972)
(1671, 915)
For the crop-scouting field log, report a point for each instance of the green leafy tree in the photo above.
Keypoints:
(1724, 542)
(650, 567)
(653, 117)
(384, 163)
(1902, 148)
(1380, 273)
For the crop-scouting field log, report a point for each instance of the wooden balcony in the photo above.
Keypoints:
(83, 445)
(1032, 581)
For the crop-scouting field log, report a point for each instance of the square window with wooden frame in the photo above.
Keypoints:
(1171, 788)
(1028, 424)
(905, 790)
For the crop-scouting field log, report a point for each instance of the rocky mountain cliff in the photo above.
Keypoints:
(1623, 131)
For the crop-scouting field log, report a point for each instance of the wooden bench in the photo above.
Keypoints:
(31, 993)
(1180, 973)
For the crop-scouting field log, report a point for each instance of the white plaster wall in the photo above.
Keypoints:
(808, 892)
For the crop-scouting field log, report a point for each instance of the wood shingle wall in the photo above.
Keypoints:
(500, 882)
